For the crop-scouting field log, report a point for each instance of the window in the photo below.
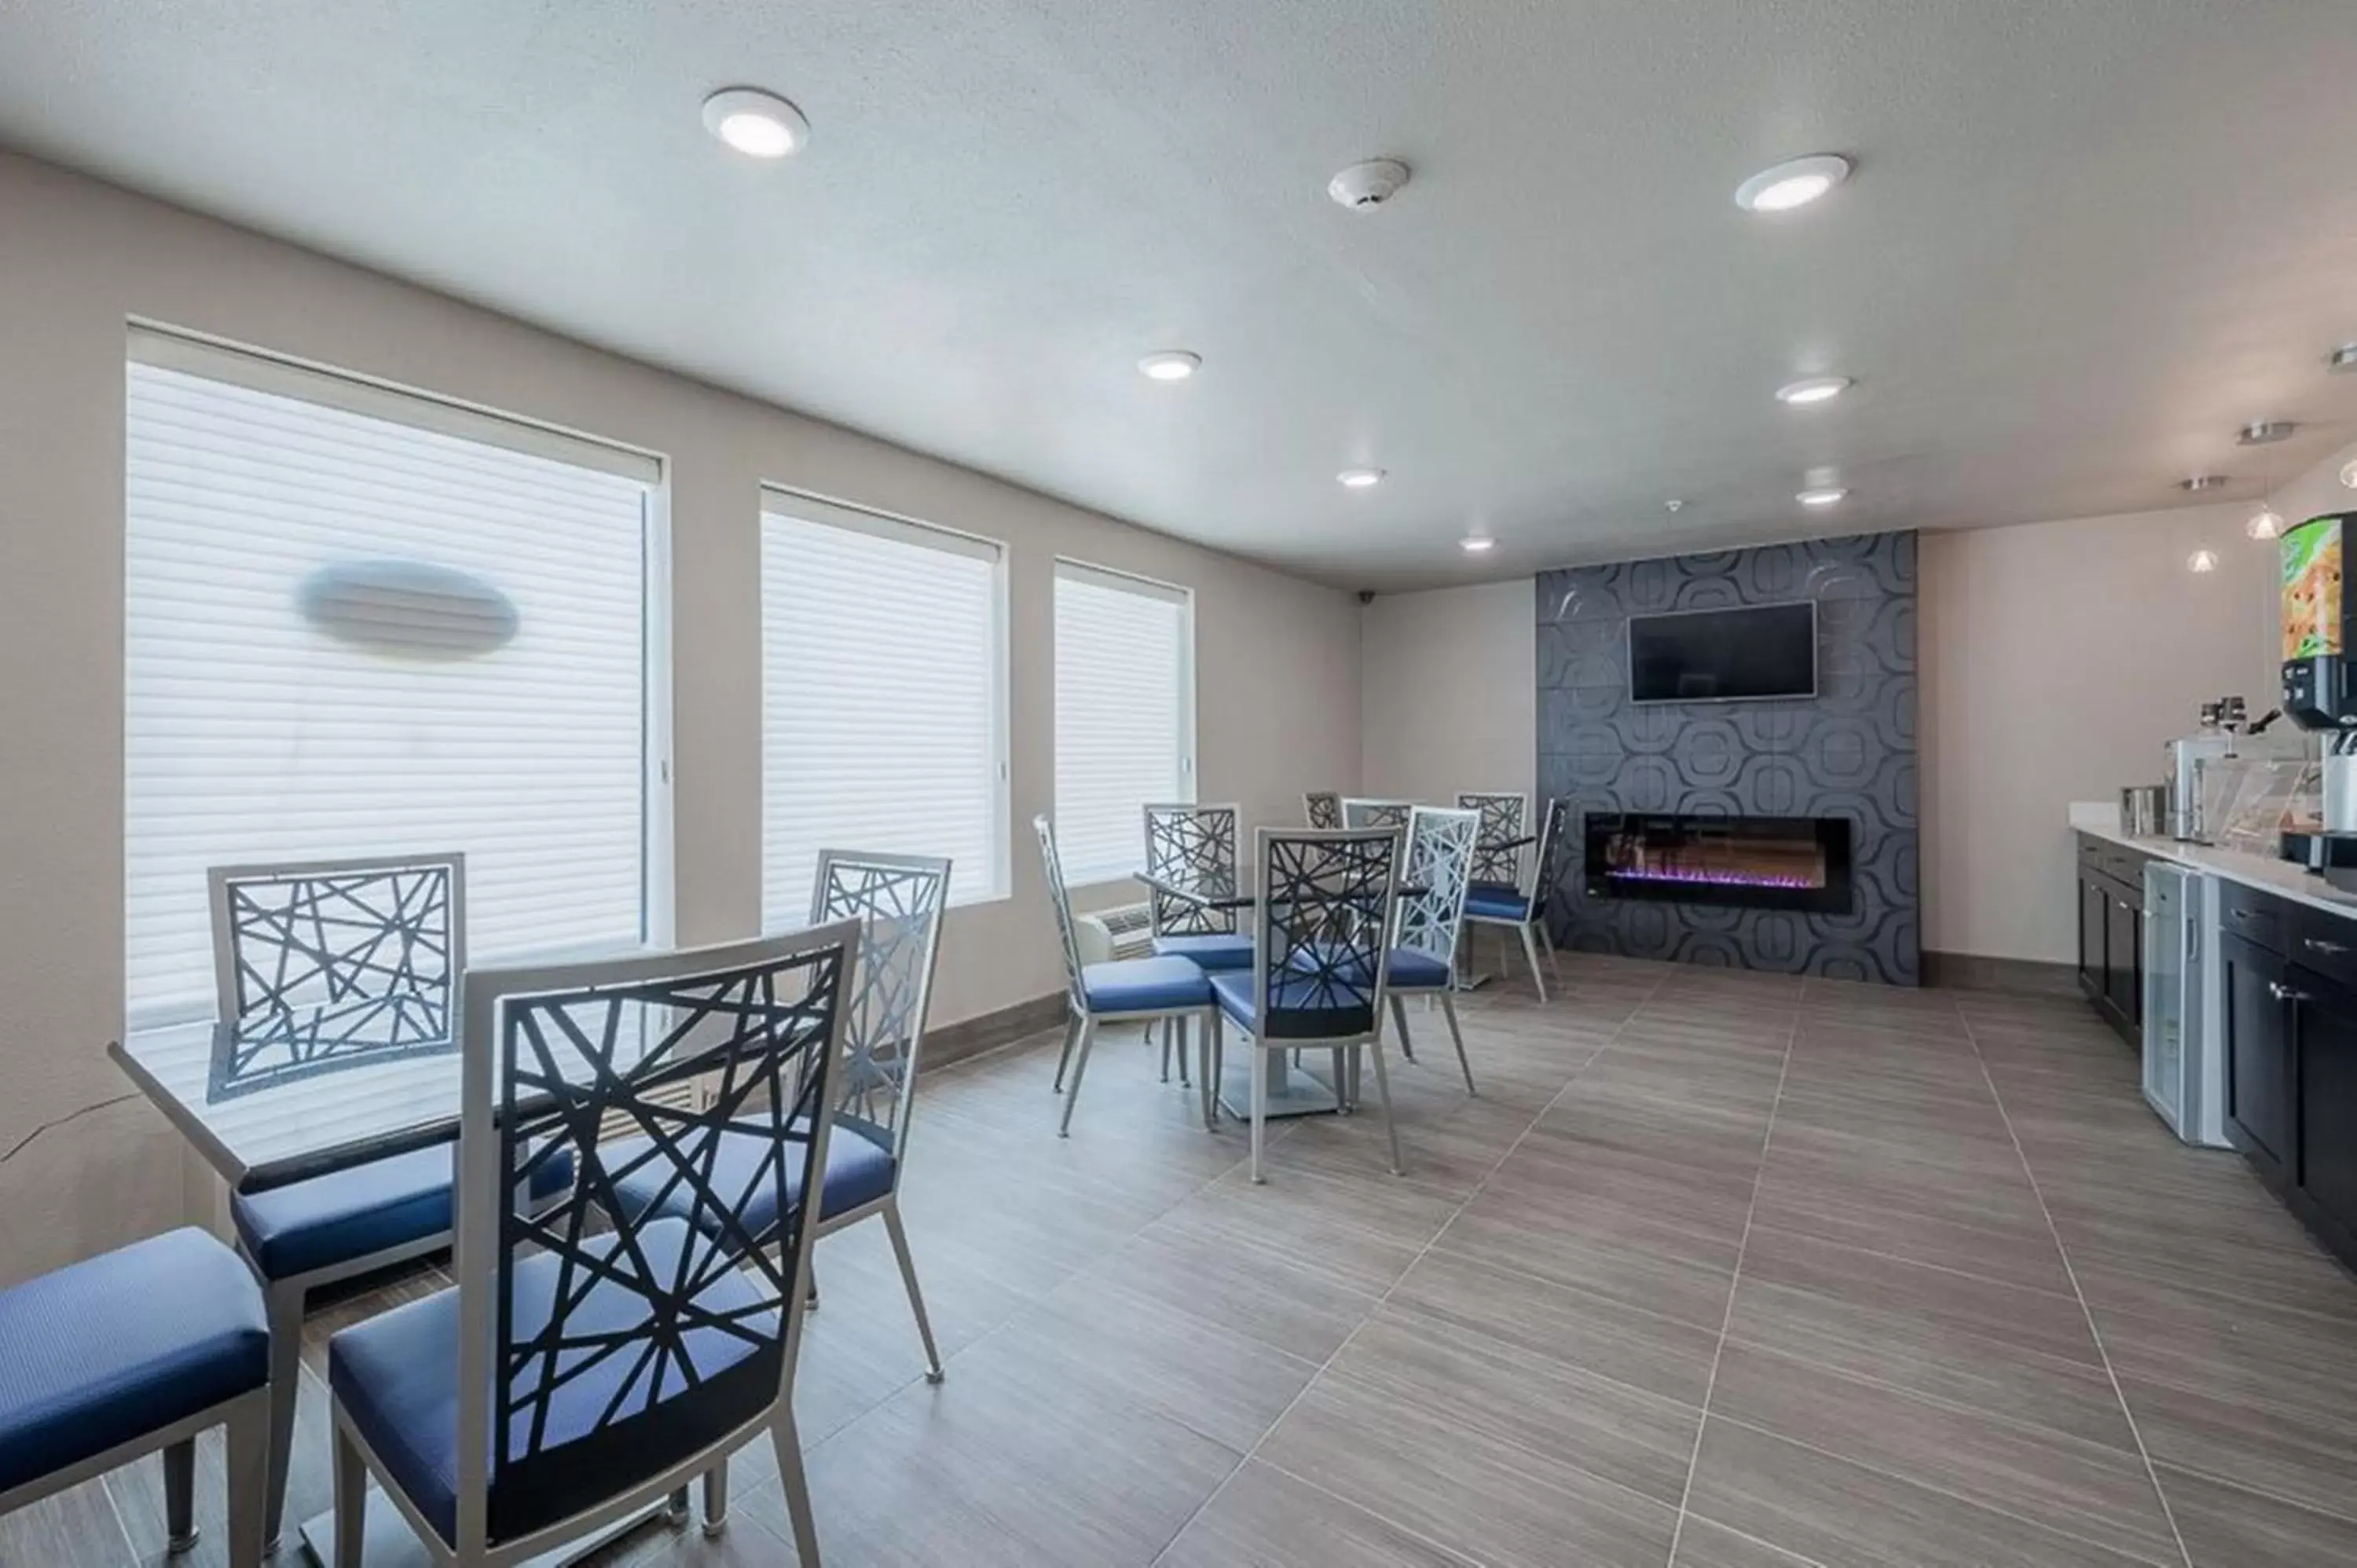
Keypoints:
(1124, 715)
(883, 698)
(360, 622)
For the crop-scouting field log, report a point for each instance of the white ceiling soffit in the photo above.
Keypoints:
(2084, 243)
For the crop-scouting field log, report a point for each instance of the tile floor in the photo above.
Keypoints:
(1719, 1270)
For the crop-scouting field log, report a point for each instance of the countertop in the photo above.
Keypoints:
(2277, 876)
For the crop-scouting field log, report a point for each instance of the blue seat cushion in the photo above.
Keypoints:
(1496, 904)
(1414, 971)
(1303, 1006)
(1144, 986)
(858, 1171)
(121, 1345)
(1212, 951)
(353, 1214)
(397, 1377)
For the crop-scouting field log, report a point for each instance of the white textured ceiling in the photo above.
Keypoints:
(2087, 241)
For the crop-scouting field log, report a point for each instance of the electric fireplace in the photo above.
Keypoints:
(1759, 862)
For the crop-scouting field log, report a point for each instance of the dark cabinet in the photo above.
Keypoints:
(2325, 1015)
(2260, 1054)
(2287, 979)
(2111, 935)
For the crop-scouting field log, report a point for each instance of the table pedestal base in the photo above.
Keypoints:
(1290, 1093)
(391, 1543)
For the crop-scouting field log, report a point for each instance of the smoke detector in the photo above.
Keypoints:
(1362, 187)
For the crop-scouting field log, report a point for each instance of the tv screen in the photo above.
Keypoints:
(1724, 656)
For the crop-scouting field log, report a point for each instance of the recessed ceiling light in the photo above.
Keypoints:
(2197, 483)
(1824, 495)
(2266, 432)
(1475, 543)
(1791, 185)
(1361, 478)
(1815, 389)
(756, 123)
(1171, 365)
(2343, 359)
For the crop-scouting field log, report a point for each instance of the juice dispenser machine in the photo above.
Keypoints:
(2318, 617)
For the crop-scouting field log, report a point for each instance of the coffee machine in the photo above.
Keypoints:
(2319, 617)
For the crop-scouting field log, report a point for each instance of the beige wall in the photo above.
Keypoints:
(1449, 684)
(2056, 658)
(1277, 659)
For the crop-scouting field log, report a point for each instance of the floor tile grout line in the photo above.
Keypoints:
(1324, 1491)
(2094, 1332)
(1734, 1283)
(1802, 1558)
(1917, 1262)
(1951, 1493)
(1426, 1251)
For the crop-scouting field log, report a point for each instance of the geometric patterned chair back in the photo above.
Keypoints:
(1494, 862)
(897, 900)
(1320, 964)
(1360, 813)
(1060, 901)
(1545, 876)
(1325, 808)
(318, 964)
(1441, 849)
(607, 1342)
(1190, 841)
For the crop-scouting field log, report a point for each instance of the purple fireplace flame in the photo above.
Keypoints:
(1714, 877)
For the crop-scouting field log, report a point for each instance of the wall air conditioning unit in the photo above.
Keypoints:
(1108, 934)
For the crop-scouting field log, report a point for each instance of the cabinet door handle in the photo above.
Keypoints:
(2283, 993)
(2320, 945)
(2240, 916)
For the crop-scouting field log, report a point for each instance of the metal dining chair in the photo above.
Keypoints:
(1319, 975)
(1442, 849)
(320, 966)
(1525, 913)
(137, 1350)
(1358, 812)
(1497, 855)
(1192, 842)
(590, 1363)
(1323, 809)
(1117, 991)
(897, 900)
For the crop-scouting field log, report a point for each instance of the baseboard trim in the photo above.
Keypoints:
(989, 1031)
(2018, 976)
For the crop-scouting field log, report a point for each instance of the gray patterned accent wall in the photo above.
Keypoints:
(1848, 752)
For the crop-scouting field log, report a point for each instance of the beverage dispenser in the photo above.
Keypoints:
(2318, 617)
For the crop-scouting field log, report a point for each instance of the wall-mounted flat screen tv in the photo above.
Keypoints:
(1724, 656)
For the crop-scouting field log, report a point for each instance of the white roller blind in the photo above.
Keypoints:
(883, 714)
(1125, 716)
(350, 635)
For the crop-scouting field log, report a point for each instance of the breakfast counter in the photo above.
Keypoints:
(2101, 820)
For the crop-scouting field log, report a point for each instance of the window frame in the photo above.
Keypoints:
(825, 510)
(204, 355)
(1187, 784)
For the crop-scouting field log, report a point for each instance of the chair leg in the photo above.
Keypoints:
(715, 1500)
(351, 1502)
(285, 1312)
(1207, 1069)
(1080, 1066)
(180, 1497)
(1259, 1107)
(789, 1447)
(1547, 939)
(893, 1227)
(1181, 1026)
(1064, 1057)
(249, 1439)
(1530, 951)
(1448, 1010)
(1383, 1097)
(1164, 1025)
(1345, 1092)
(1399, 1016)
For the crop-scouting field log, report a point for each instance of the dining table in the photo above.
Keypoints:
(1294, 1087)
(290, 1095)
